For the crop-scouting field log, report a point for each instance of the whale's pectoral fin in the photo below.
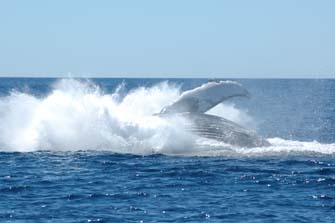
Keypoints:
(187, 105)
(205, 97)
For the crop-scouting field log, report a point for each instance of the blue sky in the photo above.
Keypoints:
(172, 38)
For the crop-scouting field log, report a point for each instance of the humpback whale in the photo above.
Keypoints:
(192, 105)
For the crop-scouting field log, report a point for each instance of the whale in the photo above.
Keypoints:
(193, 104)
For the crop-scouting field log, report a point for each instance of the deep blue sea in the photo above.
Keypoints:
(89, 150)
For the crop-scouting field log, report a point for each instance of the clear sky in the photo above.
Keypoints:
(171, 38)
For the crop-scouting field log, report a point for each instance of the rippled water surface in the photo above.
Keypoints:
(61, 162)
(81, 186)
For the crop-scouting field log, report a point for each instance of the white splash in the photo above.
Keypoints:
(76, 115)
(229, 111)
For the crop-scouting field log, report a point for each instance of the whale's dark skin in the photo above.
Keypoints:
(220, 129)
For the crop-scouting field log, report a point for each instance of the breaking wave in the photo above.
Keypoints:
(78, 115)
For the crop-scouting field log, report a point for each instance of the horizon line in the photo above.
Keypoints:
(231, 76)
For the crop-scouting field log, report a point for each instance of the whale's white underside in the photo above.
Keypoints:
(205, 97)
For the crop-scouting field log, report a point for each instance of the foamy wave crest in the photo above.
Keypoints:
(279, 147)
(78, 115)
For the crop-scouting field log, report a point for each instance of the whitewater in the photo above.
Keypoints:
(77, 115)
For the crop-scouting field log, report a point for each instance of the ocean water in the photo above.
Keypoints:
(77, 150)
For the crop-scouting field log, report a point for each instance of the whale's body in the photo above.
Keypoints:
(193, 104)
